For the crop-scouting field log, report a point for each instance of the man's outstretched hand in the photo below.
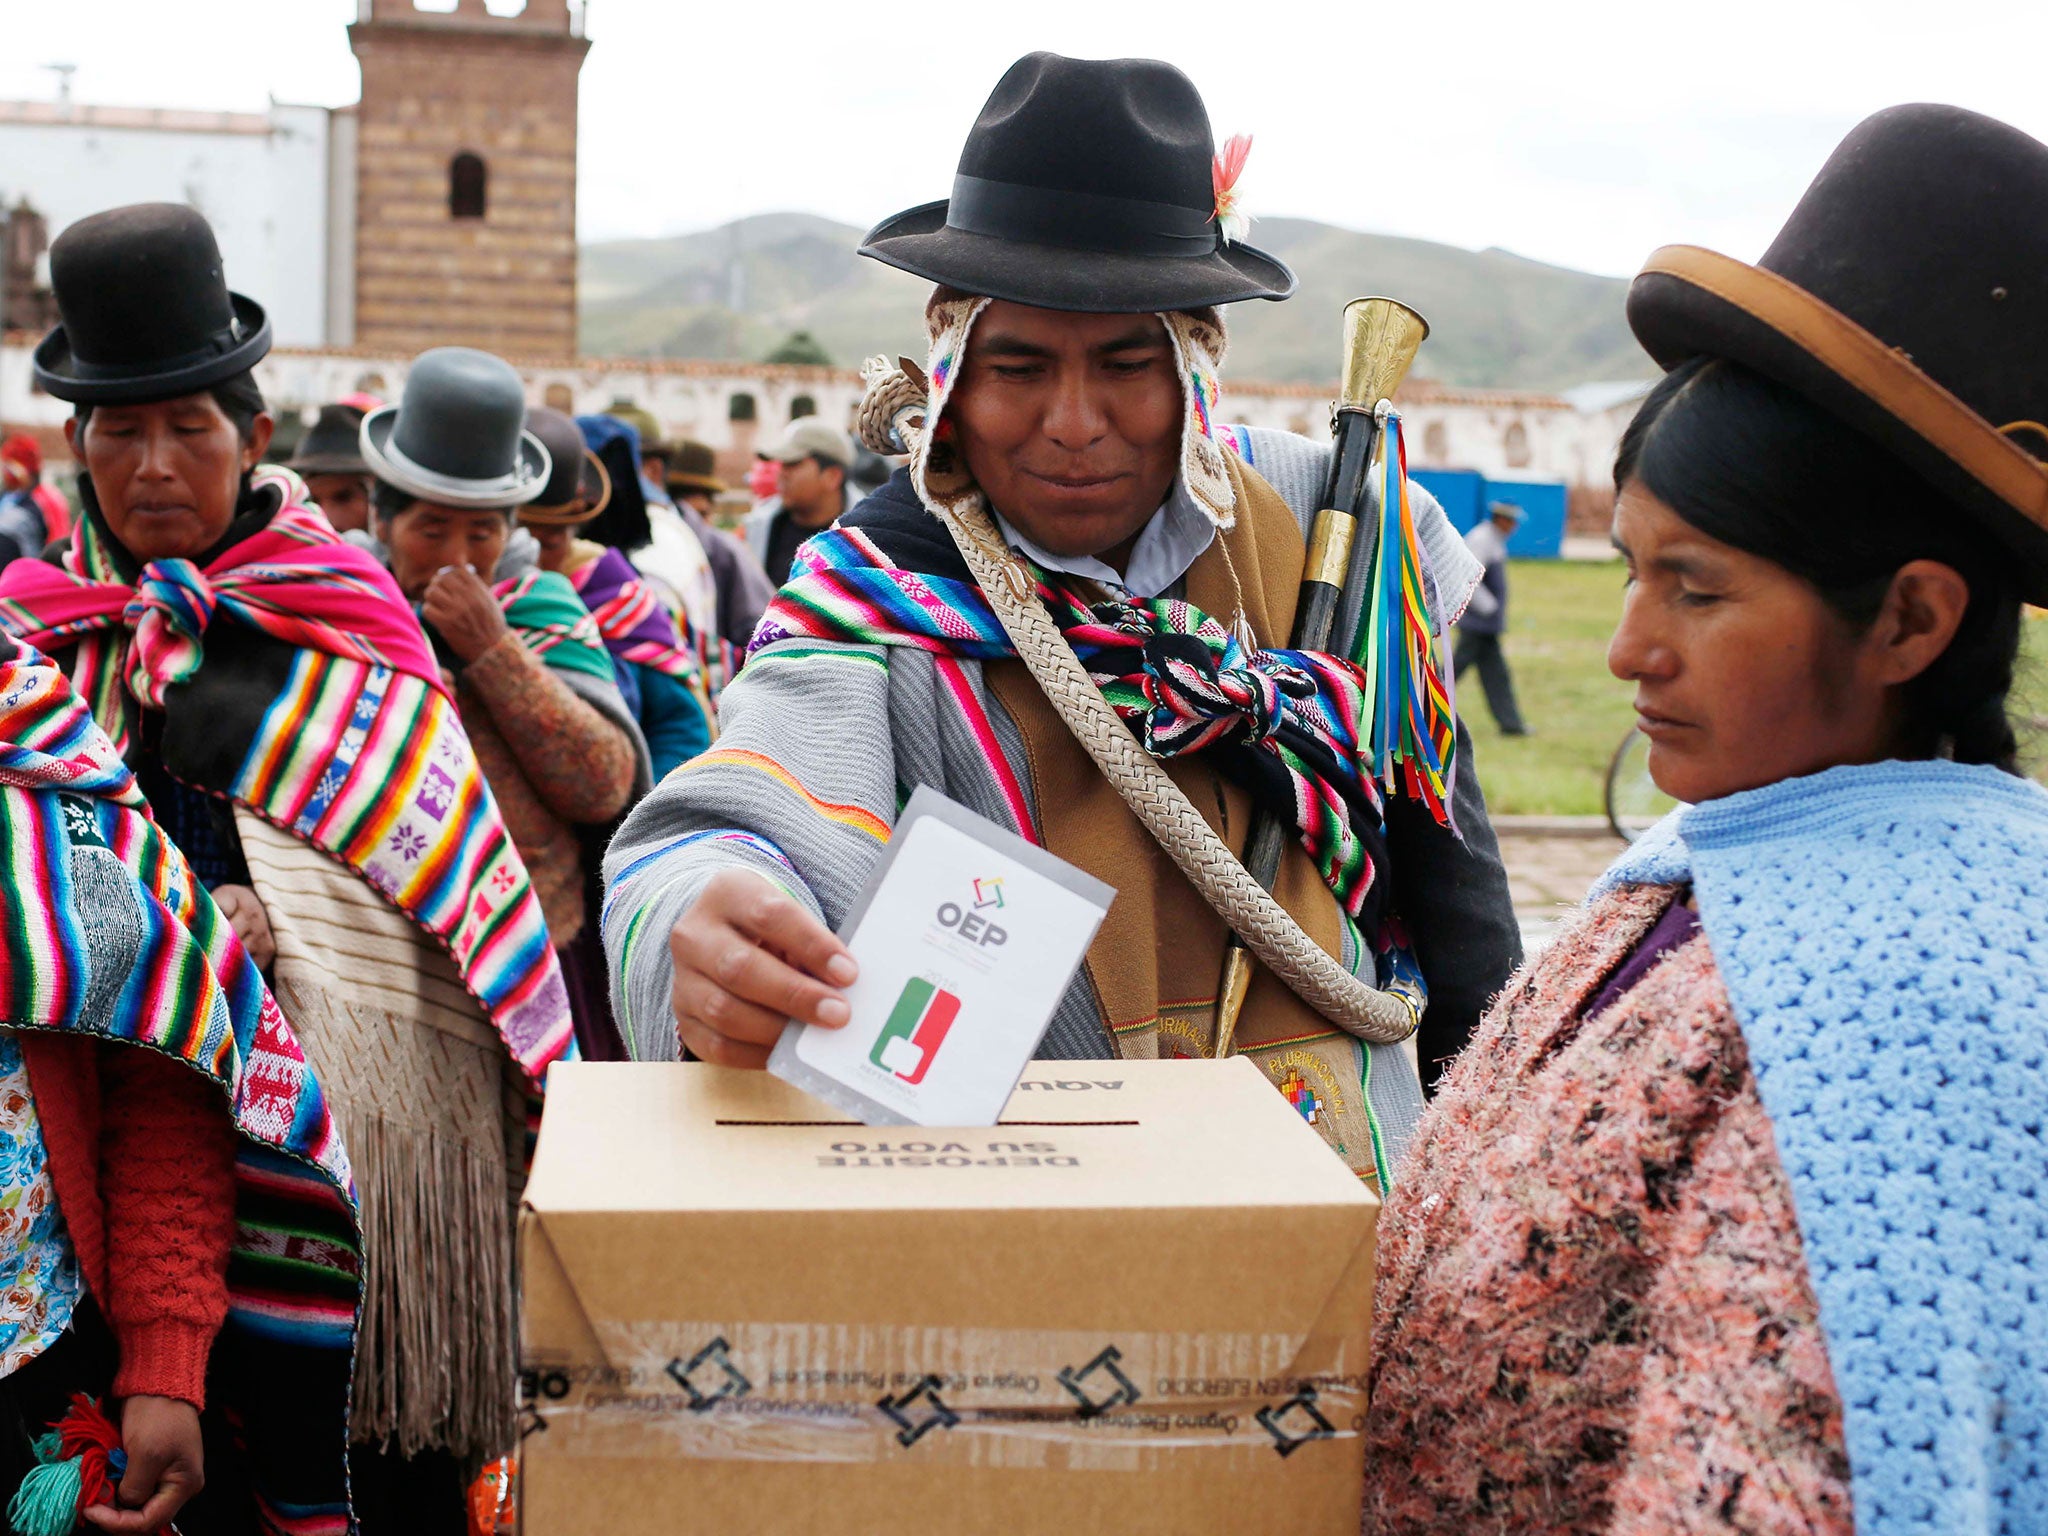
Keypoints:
(747, 960)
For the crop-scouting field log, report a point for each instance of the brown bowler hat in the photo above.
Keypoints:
(578, 488)
(1907, 295)
(690, 466)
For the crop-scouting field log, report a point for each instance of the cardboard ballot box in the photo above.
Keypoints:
(1143, 1299)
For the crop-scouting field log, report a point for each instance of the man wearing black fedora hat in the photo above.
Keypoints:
(329, 459)
(1064, 451)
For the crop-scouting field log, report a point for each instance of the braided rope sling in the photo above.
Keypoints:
(892, 421)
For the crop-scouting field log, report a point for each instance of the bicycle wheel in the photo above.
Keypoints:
(1633, 800)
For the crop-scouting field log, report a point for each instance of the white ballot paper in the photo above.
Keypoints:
(966, 937)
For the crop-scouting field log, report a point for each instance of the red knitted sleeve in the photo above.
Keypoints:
(167, 1174)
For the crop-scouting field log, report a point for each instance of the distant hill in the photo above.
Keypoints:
(735, 292)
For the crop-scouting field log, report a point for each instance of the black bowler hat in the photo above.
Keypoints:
(144, 312)
(578, 487)
(458, 433)
(1086, 185)
(1908, 296)
(332, 445)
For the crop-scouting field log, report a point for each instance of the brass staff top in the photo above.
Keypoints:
(1380, 340)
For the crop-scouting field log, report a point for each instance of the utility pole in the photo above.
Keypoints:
(6, 266)
(63, 72)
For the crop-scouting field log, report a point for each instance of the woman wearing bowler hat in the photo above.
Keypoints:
(286, 718)
(540, 699)
(330, 458)
(1732, 1217)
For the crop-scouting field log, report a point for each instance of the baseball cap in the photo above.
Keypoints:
(808, 436)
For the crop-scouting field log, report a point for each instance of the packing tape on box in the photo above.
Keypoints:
(983, 1397)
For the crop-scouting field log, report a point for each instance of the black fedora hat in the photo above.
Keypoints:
(1084, 185)
(578, 487)
(332, 445)
(458, 433)
(144, 311)
(1907, 295)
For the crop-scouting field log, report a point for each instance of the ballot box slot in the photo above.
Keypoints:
(999, 1125)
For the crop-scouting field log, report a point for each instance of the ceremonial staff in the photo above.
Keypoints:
(1380, 341)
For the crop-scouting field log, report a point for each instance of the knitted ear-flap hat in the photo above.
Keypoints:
(1907, 295)
(940, 474)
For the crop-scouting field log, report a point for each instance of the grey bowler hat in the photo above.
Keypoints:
(458, 433)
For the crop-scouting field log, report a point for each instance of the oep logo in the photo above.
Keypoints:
(973, 922)
(916, 1029)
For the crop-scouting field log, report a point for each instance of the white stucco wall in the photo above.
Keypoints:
(695, 400)
(261, 182)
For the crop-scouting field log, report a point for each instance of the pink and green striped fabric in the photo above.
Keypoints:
(1180, 678)
(191, 993)
(361, 753)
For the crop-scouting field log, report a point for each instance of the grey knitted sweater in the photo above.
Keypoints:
(819, 744)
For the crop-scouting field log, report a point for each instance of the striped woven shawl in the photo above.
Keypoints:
(295, 1271)
(545, 612)
(318, 707)
(635, 626)
(1285, 723)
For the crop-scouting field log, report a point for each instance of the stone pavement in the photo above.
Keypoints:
(1552, 862)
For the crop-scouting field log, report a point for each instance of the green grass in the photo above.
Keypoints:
(1560, 614)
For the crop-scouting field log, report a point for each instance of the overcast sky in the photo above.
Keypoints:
(1581, 132)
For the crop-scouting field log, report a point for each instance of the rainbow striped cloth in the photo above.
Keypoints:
(543, 609)
(634, 624)
(351, 743)
(295, 1270)
(1292, 726)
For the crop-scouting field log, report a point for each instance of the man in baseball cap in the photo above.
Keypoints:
(816, 458)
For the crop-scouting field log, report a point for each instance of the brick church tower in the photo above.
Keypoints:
(466, 178)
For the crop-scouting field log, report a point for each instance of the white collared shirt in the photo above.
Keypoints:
(1167, 546)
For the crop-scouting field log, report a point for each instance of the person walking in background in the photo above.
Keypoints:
(1486, 618)
(283, 714)
(329, 459)
(813, 492)
(539, 698)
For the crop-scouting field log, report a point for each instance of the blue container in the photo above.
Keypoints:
(1466, 494)
(1462, 492)
(1541, 536)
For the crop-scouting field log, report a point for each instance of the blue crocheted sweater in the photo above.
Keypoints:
(1883, 934)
